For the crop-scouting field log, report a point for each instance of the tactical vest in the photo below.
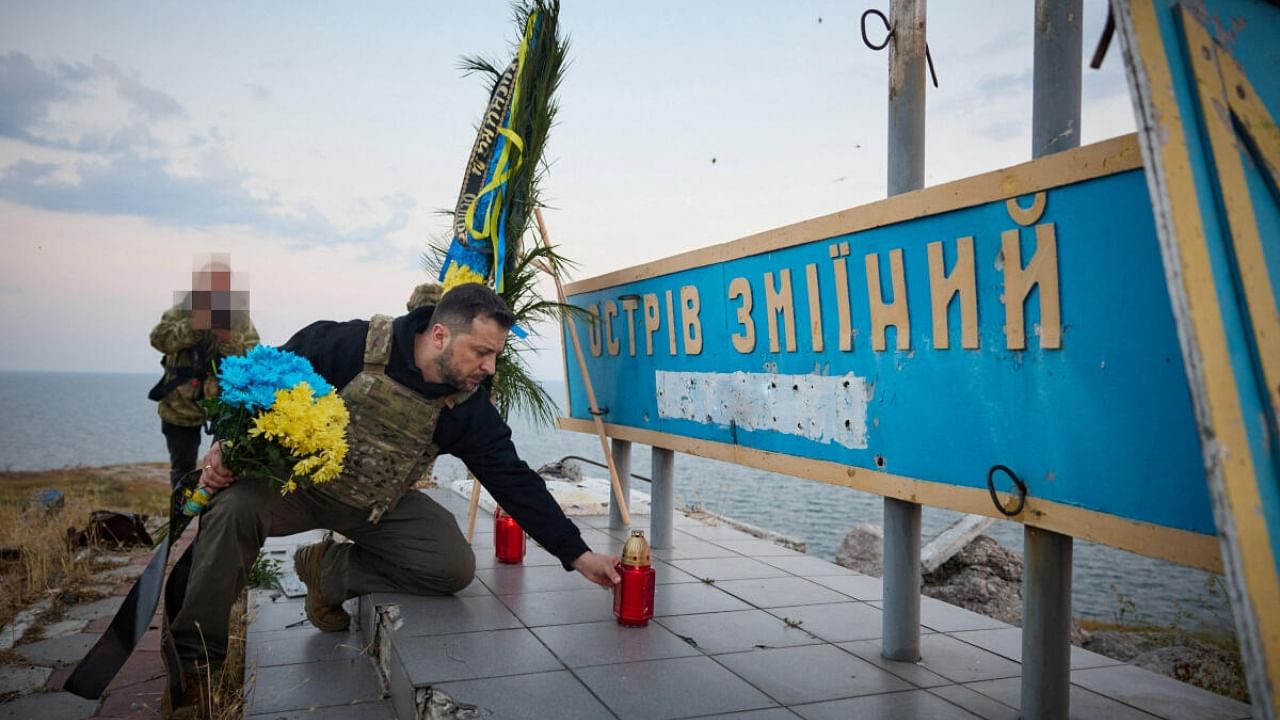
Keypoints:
(390, 435)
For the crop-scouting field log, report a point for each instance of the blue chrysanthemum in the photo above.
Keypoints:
(251, 381)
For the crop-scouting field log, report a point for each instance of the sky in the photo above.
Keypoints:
(316, 143)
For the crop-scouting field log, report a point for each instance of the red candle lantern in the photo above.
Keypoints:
(633, 597)
(508, 538)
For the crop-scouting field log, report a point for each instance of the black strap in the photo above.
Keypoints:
(198, 370)
(99, 666)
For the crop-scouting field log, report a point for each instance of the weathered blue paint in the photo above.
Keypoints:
(1104, 423)
(1224, 268)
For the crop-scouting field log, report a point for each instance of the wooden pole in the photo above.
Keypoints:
(586, 381)
(475, 507)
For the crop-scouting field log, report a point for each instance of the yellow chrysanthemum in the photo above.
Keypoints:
(312, 430)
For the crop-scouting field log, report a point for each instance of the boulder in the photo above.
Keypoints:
(862, 549)
(985, 577)
(1201, 664)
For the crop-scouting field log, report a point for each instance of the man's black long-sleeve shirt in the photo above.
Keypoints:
(473, 431)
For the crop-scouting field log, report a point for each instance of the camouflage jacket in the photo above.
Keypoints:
(183, 346)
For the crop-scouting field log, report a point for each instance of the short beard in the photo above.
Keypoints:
(444, 367)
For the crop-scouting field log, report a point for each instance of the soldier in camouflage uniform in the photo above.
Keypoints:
(414, 388)
(188, 356)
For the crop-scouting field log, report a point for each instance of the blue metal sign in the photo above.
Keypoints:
(1020, 318)
(1204, 77)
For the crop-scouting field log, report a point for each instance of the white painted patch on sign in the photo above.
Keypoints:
(822, 408)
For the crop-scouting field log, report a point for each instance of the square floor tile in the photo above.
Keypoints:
(737, 631)
(975, 702)
(451, 500)
(442, 615)
(59, 651)
(1158, 694)
(379, 710)
(1085, 705)
(675, 688)
(403, 694)
(777, 592)
(473, 589)
(1008, 643)
(912, 672)
(466, 656)
(810, 674)
(264, 649)
(714, 532)
(693, 549)
(806, 566)
(836, 622)
(534, 555)
(280, 615)
(562, 607)
(758, 548)
(956, 661)
(766, 714)
(594, 537)
(317, 684)
(607, 642)
(667, 574)
(695, 597)
(914, 704)
(61, 705)
(683, 520)
(526, 697)
(856, 586)
(510, 579)
(944, 617)
(734, 568)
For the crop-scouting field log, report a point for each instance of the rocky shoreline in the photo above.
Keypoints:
(986, 577)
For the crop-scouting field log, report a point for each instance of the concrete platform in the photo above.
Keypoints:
(743, 629)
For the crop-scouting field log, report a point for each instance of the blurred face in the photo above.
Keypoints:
(467, 359)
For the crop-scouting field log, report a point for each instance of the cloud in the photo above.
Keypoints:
(993, 86)
(28, 91)
(125, 171)
(259, 93)
(129, 184)
(153, 103)
(1002, 130)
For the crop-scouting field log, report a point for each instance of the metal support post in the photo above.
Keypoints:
(662, 495)
(1055, 92)
(901, 628)
(621, 452)
(901, 581)
(1046, 625)
(1046, 588)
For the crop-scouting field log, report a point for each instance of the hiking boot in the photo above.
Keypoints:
(308, 562)
(193, 704)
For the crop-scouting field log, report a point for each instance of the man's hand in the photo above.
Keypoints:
(215, 475)
(598, 568)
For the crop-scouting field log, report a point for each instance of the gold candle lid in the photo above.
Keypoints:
(635, 552)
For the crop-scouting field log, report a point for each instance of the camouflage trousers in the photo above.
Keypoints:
(415, 548)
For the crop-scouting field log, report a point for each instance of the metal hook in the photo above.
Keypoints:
(889, 36)
(1021, 487)
(1104, 42)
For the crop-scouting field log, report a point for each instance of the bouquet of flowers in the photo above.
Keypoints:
(276, 418)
